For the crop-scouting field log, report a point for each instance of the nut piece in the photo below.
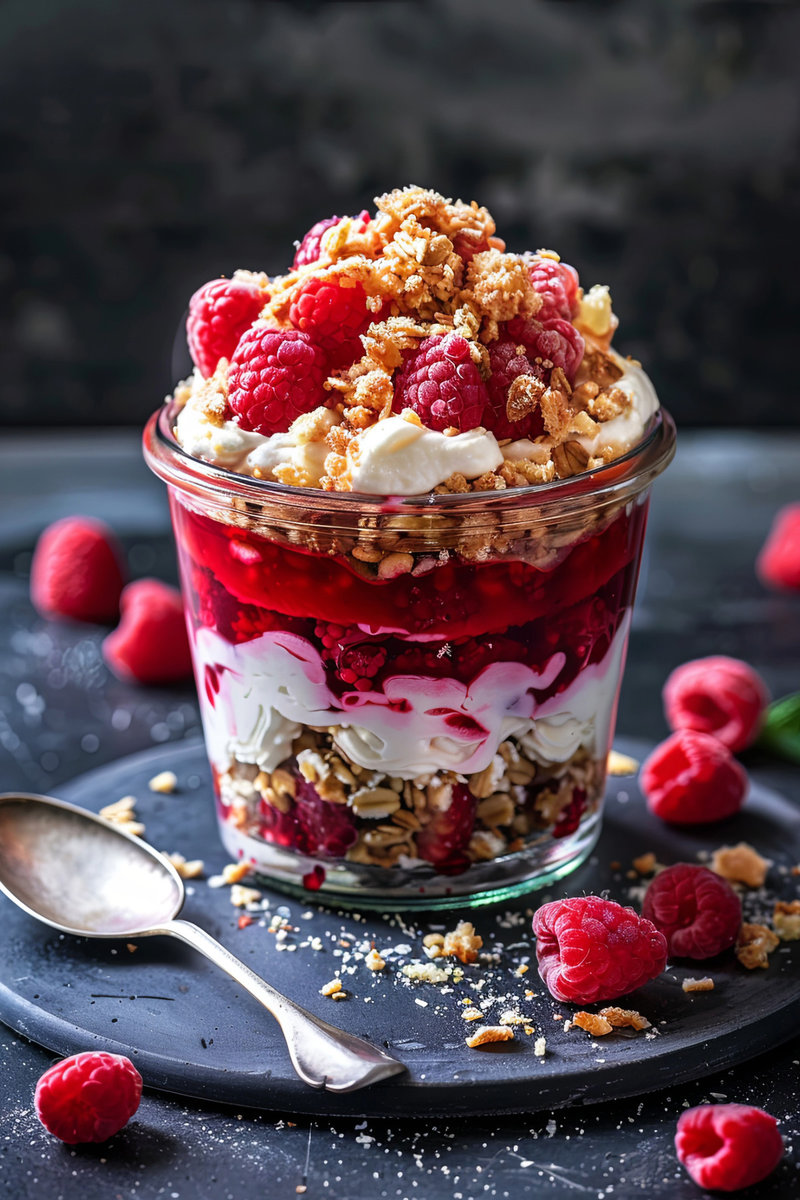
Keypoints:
(621, 764)
(234, 872)
(645, 864)
(622, 1018)
(594, 1024)
(191, 869)
(754, 944)
(741, 864)
(488, 1034)
(242, 896)
(374, 960)
(462, 942)
(329, 989)
(706, 984)
(540, 1047)
(471, 1014)
(786, 920)
(165, 782)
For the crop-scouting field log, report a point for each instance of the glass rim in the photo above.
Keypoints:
(631, 472)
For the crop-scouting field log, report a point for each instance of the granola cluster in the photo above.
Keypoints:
(322, 353)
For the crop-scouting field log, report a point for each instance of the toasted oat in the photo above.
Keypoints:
(741, 864)
(621, 764)
(426, 972)
(374, 960)
(625, 1018)
(487, 1034)
(165, 782)
(706, 984)
(786, 920)
(594, 1024)
(754, 945)
(645, 864)
(540, 1047)
(242, 896)
(187, 868)
(462, 943)
(329, 989)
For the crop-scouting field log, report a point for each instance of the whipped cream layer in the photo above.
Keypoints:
(267, 689)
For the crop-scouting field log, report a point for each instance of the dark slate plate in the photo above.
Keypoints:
(190, 1031)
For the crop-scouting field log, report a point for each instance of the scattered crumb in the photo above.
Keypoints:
(472, 1014)
(340, 995)
(165, 782)
(426, 972)
(187, 868)
(625, 1018)
(242, 896)
(330, 989)
(131, 947)
(740, 864)
(706, 984)
(594, 1024)
(301, 1189)
(540, 1047)
(122, 813)
(645, 864)
(755, 943)
(488, 1034)
(234, 872)
(462, 943)
(521, 970)
(621, 764)
(786, 920)
(374, 960)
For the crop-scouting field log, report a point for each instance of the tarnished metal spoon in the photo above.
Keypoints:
(87, 877)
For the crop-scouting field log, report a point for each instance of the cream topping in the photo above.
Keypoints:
(399, 457)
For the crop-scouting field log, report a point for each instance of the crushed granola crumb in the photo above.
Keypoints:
(540, 1047)
(329, 989)
(122, 812)
(462, 943)
(165, 782)
(592, 1023)
(471, 1014)
(754, 945)
(192, 868)
(706, 984)
(235, 872)
(374, 960)
(488, 1034)
(242, 896)
(741, 864)
(786, 920)
(645, 864)
(622, 1018)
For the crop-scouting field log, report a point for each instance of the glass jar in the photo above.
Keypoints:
(409, 701)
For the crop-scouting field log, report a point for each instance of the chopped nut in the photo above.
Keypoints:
(596, 1025)
(329, 989)
(570, 458)
(340, 995)
(741, 864)
(120, 810)
(706, 984)
(487, 1034)
(165, 781)
(540, 1047)
(625, 1018)
(234, 872)
(375, 803)
(472, 1014)
(374, 960)
(131, 947)
(521, 970)
(786, 920)
(462, 942)
(187, 869)
(433, 939)
(645, 864)
(242, 896)
(754, 944)
(621, 764)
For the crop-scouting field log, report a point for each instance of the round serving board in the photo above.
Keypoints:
(191, 1031)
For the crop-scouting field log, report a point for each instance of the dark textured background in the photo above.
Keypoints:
(150, 145)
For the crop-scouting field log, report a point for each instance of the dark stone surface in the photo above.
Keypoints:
(149, 146)
(60, 714)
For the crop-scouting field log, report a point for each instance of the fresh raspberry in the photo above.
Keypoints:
(310, 249)
(468, 243)
(593, 949)
(317, 827)
(507, 361)
(275, 376)
(718, 695)
(557, 284)
(333, 312)
(442, 384)
(89, 1097)
(77, 571)
(219, 313)
(726, 1147)
(552, 341)
(778, 563)
(698, 912)
(444, 840)
(150, 644)
(692, 779)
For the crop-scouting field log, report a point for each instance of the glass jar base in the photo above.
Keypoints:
(403, 889)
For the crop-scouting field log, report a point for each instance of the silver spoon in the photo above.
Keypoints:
(87, 877)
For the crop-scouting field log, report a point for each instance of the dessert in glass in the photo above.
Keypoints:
(409, 484)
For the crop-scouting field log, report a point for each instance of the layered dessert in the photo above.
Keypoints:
(408, 481)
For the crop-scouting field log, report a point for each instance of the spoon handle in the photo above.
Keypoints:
(323, 1056)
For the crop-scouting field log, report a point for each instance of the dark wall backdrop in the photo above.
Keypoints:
(151, 144)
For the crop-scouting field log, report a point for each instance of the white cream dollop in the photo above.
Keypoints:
(226, 445)
(399, 457)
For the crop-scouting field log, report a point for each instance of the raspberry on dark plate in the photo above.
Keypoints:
(778, 563)
(698, 911)
(88, 1097)
(333, 312)
(692, 779)
(219, 313)
(718, 695)
(150, 645)
(275, 375)
(592, 949)
(727, 1147)
(444, 839)
(442, 384)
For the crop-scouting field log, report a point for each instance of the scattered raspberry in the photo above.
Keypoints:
(778, 564)
(89, 1097)
(554, 342)
(77, 571)
(444, 840)
(219, 313)
(441, 383)
(725, 1147)
(557, 284)
(718, 695)
(593, 949)
(317, 827)
(333, 312)
(507, 361)
(697, 911)
(275, 376)
(310, 249)
(150, 644)
(692, 779)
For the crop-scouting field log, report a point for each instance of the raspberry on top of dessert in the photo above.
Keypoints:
(409, 352)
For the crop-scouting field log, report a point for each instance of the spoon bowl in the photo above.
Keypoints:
(85, 876)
